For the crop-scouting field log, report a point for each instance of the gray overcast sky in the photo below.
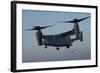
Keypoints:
(31, 52)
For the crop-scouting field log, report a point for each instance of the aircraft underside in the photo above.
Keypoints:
(57, 41)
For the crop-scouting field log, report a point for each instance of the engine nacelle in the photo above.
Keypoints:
(39, 37)
(76, 30)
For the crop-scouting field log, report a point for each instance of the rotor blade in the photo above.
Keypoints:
(46, 26)
(38, 28)
(77, 20)
(82, 19)
(65, 21)
(29, 29)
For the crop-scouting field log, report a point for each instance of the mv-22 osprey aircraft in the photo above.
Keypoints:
(60, 40)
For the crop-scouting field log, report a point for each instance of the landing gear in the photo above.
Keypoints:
(57, 48)
(67, 46)
(45, 46)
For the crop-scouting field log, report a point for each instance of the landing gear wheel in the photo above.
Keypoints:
(67, 46)
(57, 48)
(45, 46)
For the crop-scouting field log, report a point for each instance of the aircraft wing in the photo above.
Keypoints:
(68, 33)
